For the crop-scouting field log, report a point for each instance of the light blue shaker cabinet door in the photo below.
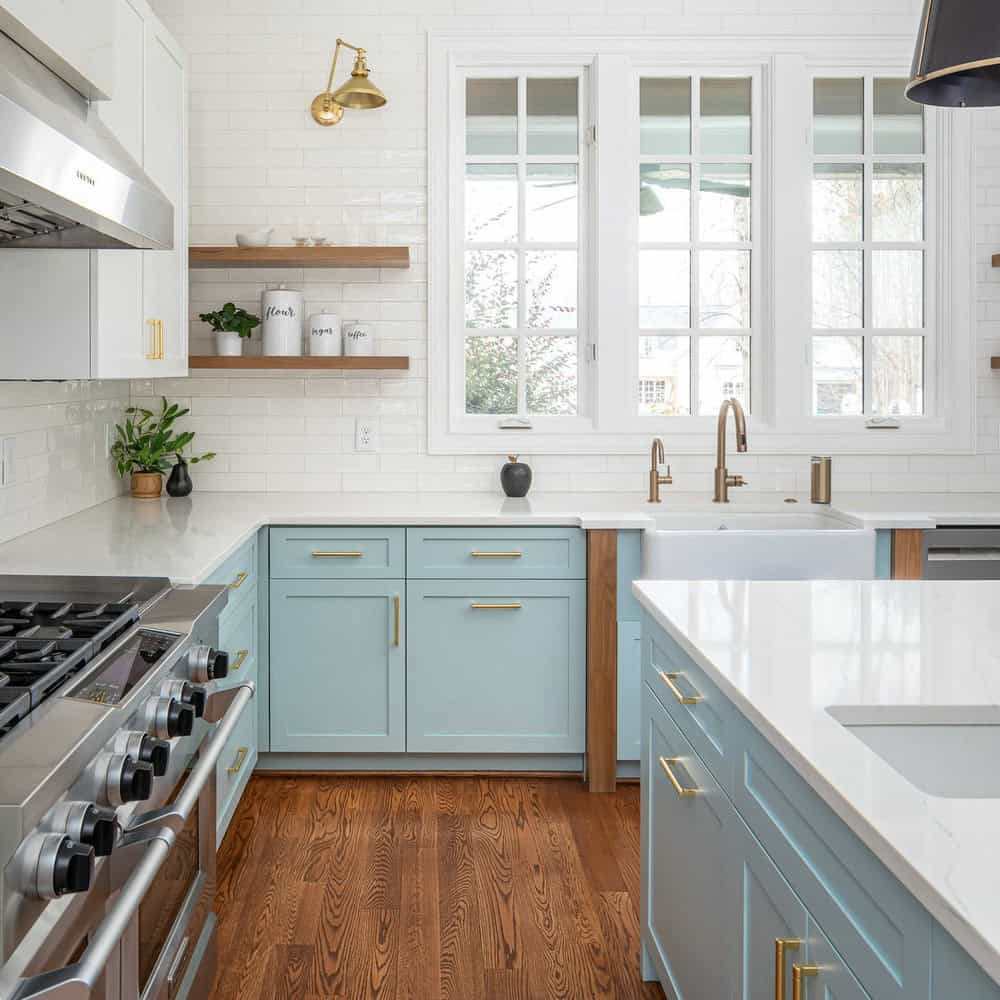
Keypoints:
(496, 666)
(629, 690)
(833, 979)
(688, 897)
(769, 913)
(337, 665)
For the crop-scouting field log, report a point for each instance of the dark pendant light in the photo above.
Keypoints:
(957, 60)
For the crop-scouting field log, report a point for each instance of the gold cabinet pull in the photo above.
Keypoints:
(781, 945)
(239, 581)
(799, 973)
(241, 658)
(337, 555)
(395, 619)
(685, 699)
(238, 761)
(159, 340)
(152, 355)
(684, 793)
(495, 555)
(476, 605)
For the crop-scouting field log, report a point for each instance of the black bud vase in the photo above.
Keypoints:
(515, 477)
(179, 484)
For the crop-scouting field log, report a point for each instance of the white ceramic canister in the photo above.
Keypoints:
(282, 311)
(359, 338)
(324, 335)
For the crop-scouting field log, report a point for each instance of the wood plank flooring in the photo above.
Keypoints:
(425, 888)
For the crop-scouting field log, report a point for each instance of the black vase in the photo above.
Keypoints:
(515, 477)
(179, 484)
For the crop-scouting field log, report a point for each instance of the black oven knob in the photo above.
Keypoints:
(187, 694)
(207, 664)
(136, 781)
(180, 719)
(155, 752)
(73, 867)
(98, 829)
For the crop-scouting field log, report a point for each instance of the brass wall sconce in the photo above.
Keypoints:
(358, 92)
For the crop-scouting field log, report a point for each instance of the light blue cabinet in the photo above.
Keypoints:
(337, 664)
(687, 898)
(496, 666)
(629, 648)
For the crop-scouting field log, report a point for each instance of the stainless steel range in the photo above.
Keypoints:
(111, 724)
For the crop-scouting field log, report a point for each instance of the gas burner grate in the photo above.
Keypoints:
(66, 620)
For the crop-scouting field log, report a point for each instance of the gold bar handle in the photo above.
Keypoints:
(241, 658)
(781, 945)
(239, 581)
(238, 761)
(684, 793)
(495, 555)
(494, 607)
(685, 699)
(159, 340)
(151, 355)
(395, 619)
(799, 973)
(337, 555)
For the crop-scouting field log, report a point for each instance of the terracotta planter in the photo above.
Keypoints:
(147, 485)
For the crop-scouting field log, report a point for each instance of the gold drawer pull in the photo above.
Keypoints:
(395, 619)
(781, 945)
(238, 761)
(239, 581)
(337, 555)
(241, 658)
(800, 972)
(494, 607)
(684, 793)
(495, 555)
(684, 699)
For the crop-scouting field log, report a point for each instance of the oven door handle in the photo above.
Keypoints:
(226, 705)
(77, 981)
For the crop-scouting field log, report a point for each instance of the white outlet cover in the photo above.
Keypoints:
(7, 474)
(365, 435)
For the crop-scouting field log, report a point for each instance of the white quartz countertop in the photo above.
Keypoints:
(187, 539)
(786, 653)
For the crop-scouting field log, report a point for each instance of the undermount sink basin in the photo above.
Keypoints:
(947, 760)
(757, 545)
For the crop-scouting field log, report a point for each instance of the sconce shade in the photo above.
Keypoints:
(956, 63)
(359, 92)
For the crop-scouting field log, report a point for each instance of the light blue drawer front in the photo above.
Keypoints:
(629, 691)
(337, 665)
(703, 713)
(496, 667)
(496, 553)
(337, 553)
(235, 765)
(882, 932)
(238, 630)
(238, 572)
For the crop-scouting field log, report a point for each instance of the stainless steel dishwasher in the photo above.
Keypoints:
(962, 553)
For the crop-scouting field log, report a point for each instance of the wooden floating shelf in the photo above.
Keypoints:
(284, 363)
(326, 256)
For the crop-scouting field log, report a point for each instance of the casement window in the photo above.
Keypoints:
(622, 239)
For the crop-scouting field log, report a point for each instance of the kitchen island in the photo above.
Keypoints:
(819, 763)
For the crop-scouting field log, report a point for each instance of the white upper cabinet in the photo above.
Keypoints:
(72, 37)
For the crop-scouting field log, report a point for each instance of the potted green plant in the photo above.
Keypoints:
(231, 325)
(145, 444)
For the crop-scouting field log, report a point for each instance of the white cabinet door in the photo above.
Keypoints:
(120, 337)
(165, 161)
(72, 37)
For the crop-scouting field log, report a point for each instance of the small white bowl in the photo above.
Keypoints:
(258, 238)
(319, 241)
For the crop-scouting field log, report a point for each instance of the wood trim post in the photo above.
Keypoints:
(907, 554)
(602, 660)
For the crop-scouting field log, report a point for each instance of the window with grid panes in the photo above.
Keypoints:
(696, 193)
(523, 196)
(869, 250)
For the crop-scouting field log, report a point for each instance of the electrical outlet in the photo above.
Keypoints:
(7, 450)
(365, 435)
(109, 436)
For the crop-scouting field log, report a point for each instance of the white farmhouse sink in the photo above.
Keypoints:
(726, 544)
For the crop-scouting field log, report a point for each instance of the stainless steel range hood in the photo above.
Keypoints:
(65, 181)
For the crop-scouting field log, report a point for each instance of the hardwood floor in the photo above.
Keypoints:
(430, 888)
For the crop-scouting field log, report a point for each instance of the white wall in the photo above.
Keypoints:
(257, 159)
(59, 432)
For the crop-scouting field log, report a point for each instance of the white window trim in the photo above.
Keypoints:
(779, 424)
